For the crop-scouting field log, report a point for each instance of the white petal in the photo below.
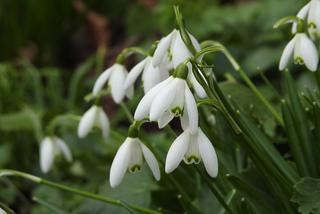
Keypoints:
(178, 101)
(116, 82)
(134, 73)
(63, 148)
(136, 156)
(120, 163)
(103, 122)
(191, 110)
(177, 151)
(150, 76)
(47, 154)
(162, 48)
(130, 92)
(165, 118)
(162, 102)
(164, 69)
(87, 121)
(2, 211)
(314, 18)
(151, 161)
(102, 79)
(308, 51)
(208, 154)
(179, 52)
(195, 42)
(184, 120)
(144, 105)
(302, 15)
(287, 54)
(196, 86)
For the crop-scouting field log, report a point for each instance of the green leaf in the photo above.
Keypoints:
(26, 119)
(301, 126)
(307, 195)
(134, 189)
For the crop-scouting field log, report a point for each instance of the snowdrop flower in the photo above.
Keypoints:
(192, 148)
(116, 76)
(2, 211)
(311, 11)
(49, 148)
(172, 46)
(168, 99)
(151, 75)
(94, 117)
(130, 157)
(303, 50)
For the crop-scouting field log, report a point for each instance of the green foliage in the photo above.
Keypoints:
(264, 167)
(307, 195)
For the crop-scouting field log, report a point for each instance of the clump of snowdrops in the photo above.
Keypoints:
(179, 83)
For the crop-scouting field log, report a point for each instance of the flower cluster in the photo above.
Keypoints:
(301, 46)
(166, 78)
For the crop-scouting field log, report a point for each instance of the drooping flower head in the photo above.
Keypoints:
(172, 47)
(94, 117)
(130, 158)
(49, 148)
(303, 51)
(192, 148)
(310, 12)
(116, 76)
(168, 99)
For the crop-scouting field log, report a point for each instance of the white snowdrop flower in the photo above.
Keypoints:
(130, 157)
(2, 211)
(49, 148)
(174, 46)
(116, 76)
(303, 50)
(192, 148)
(311, 12)
(168, 99)
(151, 75)
(94, 117)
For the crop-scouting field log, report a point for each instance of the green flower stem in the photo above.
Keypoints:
(170, 131)
(100, 55)
(216, 46)
(127, 112)
(290, 20)
(38, 180)
(128, 51)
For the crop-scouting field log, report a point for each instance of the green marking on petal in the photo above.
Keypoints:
(299, 60)
(312, 25)
(169, 55)
(192, 159)
(177, 111)
(135, 168)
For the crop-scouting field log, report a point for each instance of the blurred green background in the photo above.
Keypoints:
(50, 53)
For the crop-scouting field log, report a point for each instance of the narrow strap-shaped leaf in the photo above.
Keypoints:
(260, 199)
(293, 140)
(301, 125)
(50, 206)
